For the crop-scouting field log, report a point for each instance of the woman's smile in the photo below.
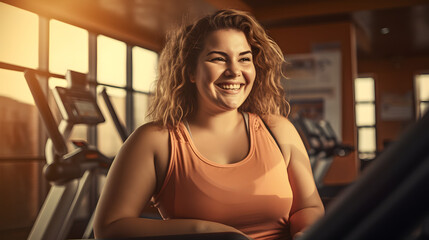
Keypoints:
(232, 88)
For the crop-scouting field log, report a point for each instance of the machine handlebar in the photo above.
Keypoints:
(45, 113)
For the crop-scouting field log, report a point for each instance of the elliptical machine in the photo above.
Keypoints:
(70, 173)
(322, 146)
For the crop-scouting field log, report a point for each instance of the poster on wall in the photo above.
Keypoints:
(315, 77)
(397, 107)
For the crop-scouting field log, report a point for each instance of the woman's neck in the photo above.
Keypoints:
(216, 122)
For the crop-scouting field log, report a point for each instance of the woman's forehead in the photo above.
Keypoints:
(226, 39)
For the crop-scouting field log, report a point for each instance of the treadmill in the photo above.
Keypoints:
(71, 173)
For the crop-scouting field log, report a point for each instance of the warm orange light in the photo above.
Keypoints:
(144, 69)
(111, 61)
(19, 36)
(13, 85)
(68, 48)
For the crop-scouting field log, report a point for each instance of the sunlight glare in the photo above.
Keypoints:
(19, 36)
(68, 48)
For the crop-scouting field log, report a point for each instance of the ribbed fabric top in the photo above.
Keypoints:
(252, 195)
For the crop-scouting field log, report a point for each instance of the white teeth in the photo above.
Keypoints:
(230, 86)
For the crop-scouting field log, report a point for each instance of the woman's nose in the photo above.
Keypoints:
(233, 71)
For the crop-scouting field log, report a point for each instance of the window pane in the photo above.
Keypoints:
(364, 89)
(14, 86)
(144, 69)
(366, 138)
(365, 114)
(109, 140)
(111, 58)
(68, 48)
(423, 87)
(19, 36)
(141, 105)
(19, 121)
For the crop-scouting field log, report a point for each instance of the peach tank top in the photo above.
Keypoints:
(252, 195)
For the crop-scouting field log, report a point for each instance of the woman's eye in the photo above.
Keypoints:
(217, 59)
(245, 59)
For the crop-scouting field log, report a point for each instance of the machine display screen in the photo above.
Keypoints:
(86, 108)
(78, 106)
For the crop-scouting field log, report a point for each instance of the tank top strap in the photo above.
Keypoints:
(179, 133)
(246, 121)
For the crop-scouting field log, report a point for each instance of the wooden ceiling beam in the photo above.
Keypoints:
(295, 9)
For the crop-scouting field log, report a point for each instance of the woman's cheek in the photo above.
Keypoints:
(250, 74)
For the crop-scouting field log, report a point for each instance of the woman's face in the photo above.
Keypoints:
(225, 71)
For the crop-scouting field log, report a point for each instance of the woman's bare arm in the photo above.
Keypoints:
(307, 206)
(131, 182)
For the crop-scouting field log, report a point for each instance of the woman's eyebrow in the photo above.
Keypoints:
(244, 53)
(217, 52)
(224, 54)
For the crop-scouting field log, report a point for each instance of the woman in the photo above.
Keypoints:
(208, 160)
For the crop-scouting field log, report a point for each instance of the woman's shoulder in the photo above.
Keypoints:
(281, 127)
(151, 133)
(152, 128)
(277, 121)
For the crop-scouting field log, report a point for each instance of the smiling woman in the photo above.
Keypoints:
(208, 160)
(225, 72)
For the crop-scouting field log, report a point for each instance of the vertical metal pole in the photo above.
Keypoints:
(43, 66)
(129, 102)
(92, 131)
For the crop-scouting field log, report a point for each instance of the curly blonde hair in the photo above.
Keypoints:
(175, 95)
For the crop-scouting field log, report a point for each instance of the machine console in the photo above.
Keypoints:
(78, 106)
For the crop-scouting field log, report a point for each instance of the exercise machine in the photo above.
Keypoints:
(71, 173)
(322, 145)
(390, 200)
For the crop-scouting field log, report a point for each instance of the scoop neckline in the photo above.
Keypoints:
(213, 163)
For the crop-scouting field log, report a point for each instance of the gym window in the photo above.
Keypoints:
(29, 41)
(111, 61)
(68, 48)
(19, 36)
(144, 75)
(144, 69)
(422, 94)
(365, 117)
(19, 48)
